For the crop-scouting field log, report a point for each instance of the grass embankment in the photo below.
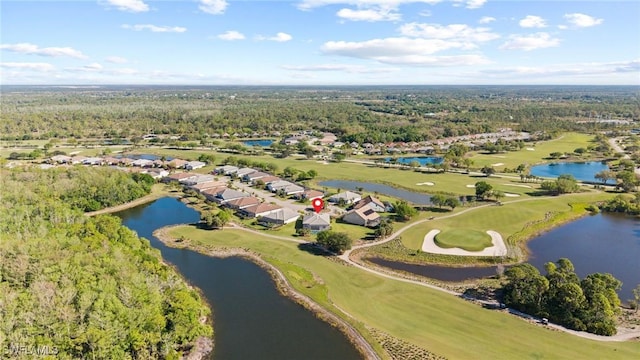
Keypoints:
(470, 240)
(428, 319)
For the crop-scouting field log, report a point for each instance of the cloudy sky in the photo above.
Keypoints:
(323, 42)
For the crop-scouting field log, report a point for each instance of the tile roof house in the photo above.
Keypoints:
(364, 216)
(194, 165)
(375, 204)
(212, 193)
(180, 177)
(279, 217)
(277, 185)
(60, 159)
(268, 179)
(198, 179)
(226, 170)
(348, 197)
(257, 210)
(316, 222)
(254, 176)
(177, 163)
(244, 202)
(142, 163)
(244, 171)
(310, 194)
(207, 185)
(228, 195)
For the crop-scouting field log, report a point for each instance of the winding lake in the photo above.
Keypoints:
(251, 319)
(422, 160)
(599, 243)
(583, 171)
(263, 143)
(410, 196)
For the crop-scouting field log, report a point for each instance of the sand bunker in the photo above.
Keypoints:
(428, 183)
(322, 162)
(497, 164)
(471, 186)
(531, 149)
(511, 195)
(518, 185)
(497, 249)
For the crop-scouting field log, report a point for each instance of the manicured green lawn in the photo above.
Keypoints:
(566, 143)
(466, 239)
(436, 321)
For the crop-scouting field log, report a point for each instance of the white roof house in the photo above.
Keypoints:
(226, 170)
(142, 163)
(279, 217)
(316, 222)
(193, 165)
(348, 197)
(244, 171)
(277, 185)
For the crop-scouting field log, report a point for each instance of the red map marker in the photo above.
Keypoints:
(318, 205)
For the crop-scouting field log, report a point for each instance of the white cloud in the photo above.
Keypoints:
(31, 49)
(582, 20)
(370, 15)
(28, 66)
(391, 4)
(574, 70)
(117, 60)
(129, 5)
(231, 35)
(458, 32)
(280, 37)
(358, 69)
(475, 4)
(530, 42)
(532, 21)
(214, 7)
(486, 19)
(435, 61)
(93, 67)
(154, 28)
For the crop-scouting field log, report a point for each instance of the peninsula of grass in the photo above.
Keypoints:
(470, 240)
(424, 317)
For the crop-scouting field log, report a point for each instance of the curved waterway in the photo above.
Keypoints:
(410, 196)
(583, 171)
(252, 320)
(600, 243)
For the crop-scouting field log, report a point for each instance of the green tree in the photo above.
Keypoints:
(207, 158)
(438, 200)
(336, 242)
(452, 202)
(404, 211)
(483, 189)
(488, 170)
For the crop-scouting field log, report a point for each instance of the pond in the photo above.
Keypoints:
(142, 156)
(251, 319)
(599, 243)
(583, 171)
(410, 196)
(263, 143)
(422, 160)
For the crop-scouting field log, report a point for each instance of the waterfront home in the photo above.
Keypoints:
(241, 203)
(211, 194)
(375, 204)
(348, 197)
(279, 217)
(177, 163)
(206, 185)
(364, 216)
(142, 163)
(316, 222)
(194, 165)
(261, 209)
(93, 161)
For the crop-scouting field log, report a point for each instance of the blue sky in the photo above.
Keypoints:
(320, 42)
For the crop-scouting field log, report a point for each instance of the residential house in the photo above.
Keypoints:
(277, 185)
(375, 204)
(179, 177)
(206, 185)
(211, 194)
(194, 165)
(244, 171)
(225, 170)
(316, 222)
(267, 179)
(177, 163)
(250, 178)
(292, 189)
(310, 194)
(109, 160)
(229, 194)
(142, 163)
(348, 197)
(258, 210)
(279, 217)
(60, 159)
(241, 203)
(78, 159)
(364, 216)
(198, 179)
(93, 161)
(157, 173)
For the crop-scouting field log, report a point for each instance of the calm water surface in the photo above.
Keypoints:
(422, 160)
(251, 319)
(410, 196)
(583, 171)
(263, 143)
(599, 243)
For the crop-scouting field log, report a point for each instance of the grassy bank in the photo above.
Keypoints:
(419, 316)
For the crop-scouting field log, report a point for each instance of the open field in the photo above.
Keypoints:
(438, 322)
(566, 143)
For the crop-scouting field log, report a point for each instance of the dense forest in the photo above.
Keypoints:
(86, 287)
(368, 114)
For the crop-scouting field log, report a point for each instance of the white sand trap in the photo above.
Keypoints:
(518, 185)
(322, 162)
(531, 149)
(497, 164)
(471, 186)
(496, 249)
(428, 183)
(499, 156)
(511, 195)
(75, 152)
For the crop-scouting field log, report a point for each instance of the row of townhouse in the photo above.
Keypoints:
(126, 161)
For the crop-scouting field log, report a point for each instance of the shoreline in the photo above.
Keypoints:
(154, 195)
(282, 284)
